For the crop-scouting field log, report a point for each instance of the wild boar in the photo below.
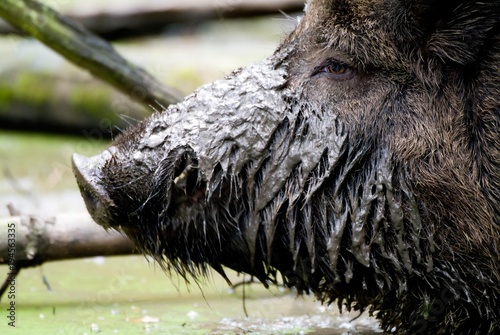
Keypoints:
(361, 162)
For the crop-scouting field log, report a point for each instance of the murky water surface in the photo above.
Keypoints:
(128, 295)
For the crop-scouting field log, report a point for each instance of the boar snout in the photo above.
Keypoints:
(176, 180)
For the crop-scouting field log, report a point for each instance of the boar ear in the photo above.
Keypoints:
(455, 30)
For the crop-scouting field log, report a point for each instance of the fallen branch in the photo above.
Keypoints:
(29, 240)
(32, 240)
(86, 50)
(113, 21)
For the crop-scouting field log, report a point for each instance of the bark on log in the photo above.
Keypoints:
(32, 240)
(118, 21)
(86, 50)
(63, 102)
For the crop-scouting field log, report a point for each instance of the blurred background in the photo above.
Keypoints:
(50, 109)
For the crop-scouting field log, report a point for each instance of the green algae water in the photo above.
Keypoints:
(129, 295)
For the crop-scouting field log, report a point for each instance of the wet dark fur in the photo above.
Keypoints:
(406, 222)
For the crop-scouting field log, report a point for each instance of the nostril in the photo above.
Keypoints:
(94, 194)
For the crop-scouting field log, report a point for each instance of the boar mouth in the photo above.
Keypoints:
(189, 188)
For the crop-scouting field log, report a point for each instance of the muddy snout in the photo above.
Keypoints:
(170, 185)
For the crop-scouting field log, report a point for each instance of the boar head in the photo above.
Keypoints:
(361, 161)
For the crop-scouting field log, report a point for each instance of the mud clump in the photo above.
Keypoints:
(359, 162)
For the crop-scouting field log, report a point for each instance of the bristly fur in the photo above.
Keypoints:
(360, 162)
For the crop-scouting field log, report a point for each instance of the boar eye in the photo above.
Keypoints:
(333, 69)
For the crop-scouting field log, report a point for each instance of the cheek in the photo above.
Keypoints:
(355, 106)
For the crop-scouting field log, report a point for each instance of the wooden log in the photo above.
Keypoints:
(63, 102)
(111, 20)
(29, 240)
(86, 50)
